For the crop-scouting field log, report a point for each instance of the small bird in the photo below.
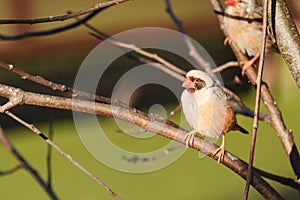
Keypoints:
(207, 109)
(243, 23)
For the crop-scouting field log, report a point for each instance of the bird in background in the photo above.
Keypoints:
(207, 109)
(243, 23)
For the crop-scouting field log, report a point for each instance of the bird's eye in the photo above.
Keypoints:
(192, 79)
(199, 84)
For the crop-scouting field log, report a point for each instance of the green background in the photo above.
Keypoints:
(59, 56)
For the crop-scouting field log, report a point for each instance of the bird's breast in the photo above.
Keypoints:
(205, 111)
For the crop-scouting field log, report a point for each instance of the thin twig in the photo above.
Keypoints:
(62, 17)
(58, 29)
(52, 85)
(171, 69)
(7, 144)
(225, 66)
(280, 179)
(49, 154)
(11, 171)
(257, 100)
(144, 53)
(192, 50)
(172, 113)
(67, 156)
(48, 31)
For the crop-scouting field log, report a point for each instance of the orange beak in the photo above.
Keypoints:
(187, 83)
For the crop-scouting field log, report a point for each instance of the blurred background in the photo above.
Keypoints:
(58, 57)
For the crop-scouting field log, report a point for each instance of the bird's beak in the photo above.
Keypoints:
(187, 83)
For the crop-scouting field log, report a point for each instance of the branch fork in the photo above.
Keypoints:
(15, 98)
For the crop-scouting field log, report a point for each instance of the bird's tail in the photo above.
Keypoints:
(241, 129)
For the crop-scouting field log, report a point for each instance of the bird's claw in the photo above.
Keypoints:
(247, 64)
(227, 41)
(221, 156)
(189, 139)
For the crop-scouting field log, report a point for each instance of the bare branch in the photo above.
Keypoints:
(8, 145)
(144, 53)
(151, 123)
(11, 171)
(283, 180)
(192, 50)
(67, 156)
(55, 30)
(62, 17)
(286, 34)
(225, 66)
(49, 155)
(50, 84)
(257, 100)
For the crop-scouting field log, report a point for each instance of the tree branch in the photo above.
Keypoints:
(285, 136)
(192, 50)
(58, 29)
(151, 123)
(283, 180)
(67, 156)
(50, 84)
(286, 34)
(257, 100)
(62, 17)
(6, 143)
(12, 170)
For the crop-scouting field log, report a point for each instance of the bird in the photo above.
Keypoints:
(207, 109)
(243, 24)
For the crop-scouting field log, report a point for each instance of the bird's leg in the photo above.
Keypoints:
(221, 149)
(247, 64)
(189, 138)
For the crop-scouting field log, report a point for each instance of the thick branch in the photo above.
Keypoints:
(150, 122)
(286, 35)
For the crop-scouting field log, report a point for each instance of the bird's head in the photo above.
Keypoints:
(196, 80)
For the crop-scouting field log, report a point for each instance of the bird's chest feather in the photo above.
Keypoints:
(205, 111)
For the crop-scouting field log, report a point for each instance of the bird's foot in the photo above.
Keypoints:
(221, 156)
(189, 138)
(247, 64)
